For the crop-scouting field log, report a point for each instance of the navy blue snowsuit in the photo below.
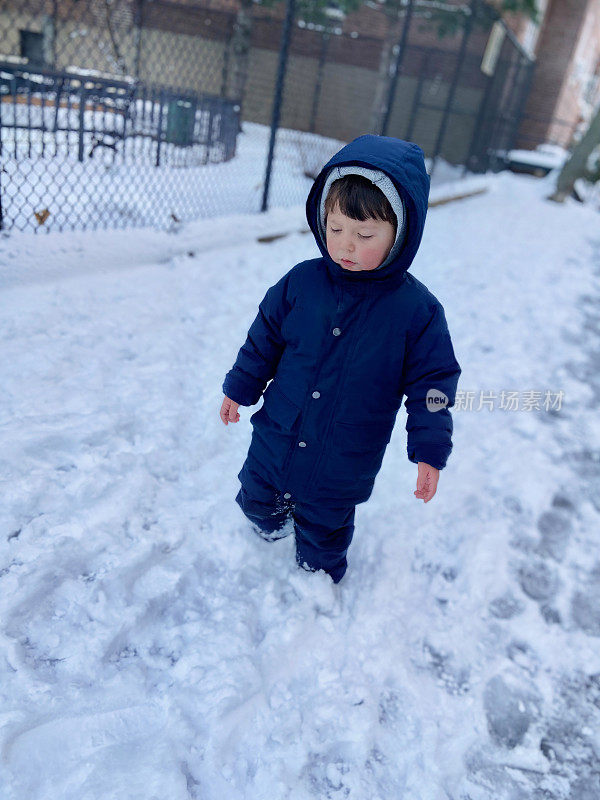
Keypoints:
(340, 350)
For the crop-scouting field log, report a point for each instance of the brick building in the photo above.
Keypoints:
(566, 80)
(565, 45)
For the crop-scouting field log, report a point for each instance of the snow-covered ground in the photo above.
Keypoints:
(153, 648)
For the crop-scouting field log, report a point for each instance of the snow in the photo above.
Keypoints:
(545, 155)
(123, 188)
(153, 648)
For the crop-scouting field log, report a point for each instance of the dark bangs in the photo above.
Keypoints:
(359, 199)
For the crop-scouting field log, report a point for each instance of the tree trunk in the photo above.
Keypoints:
(325, 39)
(378, 108)
(575, 166)
(240, 46)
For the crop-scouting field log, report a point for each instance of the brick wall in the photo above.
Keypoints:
(585, 73)
(570, 37)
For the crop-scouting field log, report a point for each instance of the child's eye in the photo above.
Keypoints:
(360, 236)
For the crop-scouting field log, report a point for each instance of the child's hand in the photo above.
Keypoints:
(229, 411)
(427, 481)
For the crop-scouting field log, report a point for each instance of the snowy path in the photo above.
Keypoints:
(153, 649)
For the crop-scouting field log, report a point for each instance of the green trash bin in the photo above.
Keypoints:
(180, 122)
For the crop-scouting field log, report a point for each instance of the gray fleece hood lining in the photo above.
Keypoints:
(383, 182)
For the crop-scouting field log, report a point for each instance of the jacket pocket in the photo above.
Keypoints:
(357, 449)
(279, 408)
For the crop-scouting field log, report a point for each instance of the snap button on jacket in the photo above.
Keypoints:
(390, 340)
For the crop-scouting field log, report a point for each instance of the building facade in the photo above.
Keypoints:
(566, 80)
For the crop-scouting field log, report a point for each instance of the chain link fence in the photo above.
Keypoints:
(460, 98)
(118, 113)
(113, 114)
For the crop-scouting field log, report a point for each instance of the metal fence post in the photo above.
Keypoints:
(54, 31)
(138, 22)
(161, 101)
(416, 99)
(526, 69)
(82, 96)
(1, 169)
(478, 156)
(497, 124)
(397, 68)
(474, 159)
(452, 90)
(283, 54)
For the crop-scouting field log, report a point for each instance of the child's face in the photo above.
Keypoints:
(356, 245)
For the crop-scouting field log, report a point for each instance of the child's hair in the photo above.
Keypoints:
(360, 199)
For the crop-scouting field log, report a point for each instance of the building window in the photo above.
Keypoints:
(32, 47)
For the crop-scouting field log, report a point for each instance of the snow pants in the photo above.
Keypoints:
(323, 534)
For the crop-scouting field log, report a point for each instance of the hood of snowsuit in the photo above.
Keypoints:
(404, 163)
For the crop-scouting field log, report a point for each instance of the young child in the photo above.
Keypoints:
(343, 338)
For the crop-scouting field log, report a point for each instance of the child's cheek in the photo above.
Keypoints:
(372, 257)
